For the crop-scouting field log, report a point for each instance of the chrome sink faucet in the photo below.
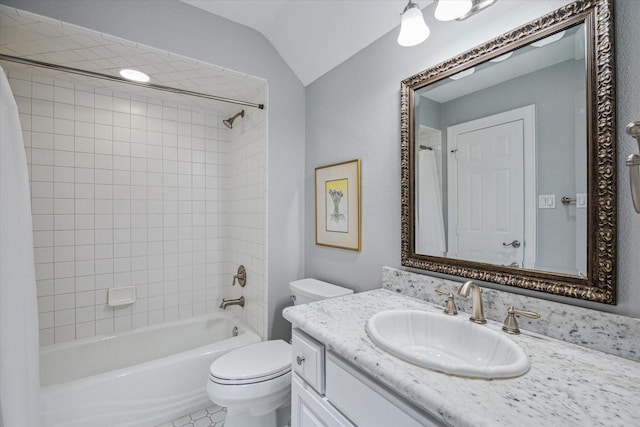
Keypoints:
(477, 314)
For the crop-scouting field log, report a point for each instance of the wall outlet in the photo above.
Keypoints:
(546, 201)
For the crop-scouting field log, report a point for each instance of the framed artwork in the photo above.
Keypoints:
(338, 205)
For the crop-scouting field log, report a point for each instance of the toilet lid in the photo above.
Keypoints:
(260, 361)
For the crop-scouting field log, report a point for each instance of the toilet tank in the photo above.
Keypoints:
(309, 290)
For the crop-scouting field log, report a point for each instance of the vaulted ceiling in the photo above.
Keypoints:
(313, 36)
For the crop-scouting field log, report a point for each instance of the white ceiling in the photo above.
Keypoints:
(313, 36)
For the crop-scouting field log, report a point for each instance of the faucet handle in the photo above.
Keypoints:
(241, 276)
(451, 308)
(511, 324)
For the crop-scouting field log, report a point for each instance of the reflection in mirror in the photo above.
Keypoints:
(508, 158)
(501, 161)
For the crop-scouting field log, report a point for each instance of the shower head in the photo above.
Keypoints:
(229, 122)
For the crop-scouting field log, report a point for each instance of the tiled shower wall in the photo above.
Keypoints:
(243, 214)
(125, 191)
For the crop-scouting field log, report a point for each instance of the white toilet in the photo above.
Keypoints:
(254, 382)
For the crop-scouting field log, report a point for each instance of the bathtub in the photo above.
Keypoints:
(141, 377)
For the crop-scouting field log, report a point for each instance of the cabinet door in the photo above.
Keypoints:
(309, 409)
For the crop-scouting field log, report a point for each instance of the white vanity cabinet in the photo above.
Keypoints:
(309, 406)
(327, 392)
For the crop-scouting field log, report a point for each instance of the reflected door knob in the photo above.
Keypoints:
(300, 360)
(515, 244)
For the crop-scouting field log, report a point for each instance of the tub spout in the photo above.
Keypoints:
(226, 302)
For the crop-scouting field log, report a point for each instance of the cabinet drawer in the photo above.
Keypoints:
(308, 359)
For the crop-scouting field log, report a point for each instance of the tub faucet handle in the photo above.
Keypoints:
(241, 276)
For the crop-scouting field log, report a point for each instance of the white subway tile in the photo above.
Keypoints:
(65, 127)
(85, 313)
(63, 222)
(63, 206)
(85, 299)
(65, 302)
(65, 333)
(42, 91)
(84, 252)
(64, 253)
(65, 95)
(85, 330)
(63, 190)
(64, 317)
(40, 107)
(41, 173)
(84, 191)
(84, 237)
(63, 111)
(64, 269)
(84, 145)
(85, 99)
(46, 320)
(84, 268)
(85, 283)
(104, 326)
(42, 238)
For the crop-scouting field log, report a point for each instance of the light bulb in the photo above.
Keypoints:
(448, 10)
(413, 29)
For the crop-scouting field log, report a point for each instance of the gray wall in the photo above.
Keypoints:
(183, 29)
(353, 112)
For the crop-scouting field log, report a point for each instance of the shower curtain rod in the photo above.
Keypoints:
(85, 73)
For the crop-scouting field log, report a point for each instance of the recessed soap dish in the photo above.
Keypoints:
(121, 296)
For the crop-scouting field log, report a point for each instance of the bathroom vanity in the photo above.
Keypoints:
(344, 379)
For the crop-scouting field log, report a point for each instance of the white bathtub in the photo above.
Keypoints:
(142, 377)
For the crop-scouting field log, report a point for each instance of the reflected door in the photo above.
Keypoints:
(487, 197)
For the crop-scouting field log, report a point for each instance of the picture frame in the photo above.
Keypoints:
(338, 223)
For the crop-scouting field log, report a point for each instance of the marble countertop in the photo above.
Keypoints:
(567, 385)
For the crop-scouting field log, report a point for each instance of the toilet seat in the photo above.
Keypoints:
(252, 364)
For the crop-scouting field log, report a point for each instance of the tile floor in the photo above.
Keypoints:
(210, 417)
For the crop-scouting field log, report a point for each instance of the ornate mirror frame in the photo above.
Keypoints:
(600, 282)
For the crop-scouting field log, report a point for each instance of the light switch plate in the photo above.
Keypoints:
(546, 201)
(581, 200)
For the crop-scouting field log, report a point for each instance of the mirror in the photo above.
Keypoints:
(508, 159)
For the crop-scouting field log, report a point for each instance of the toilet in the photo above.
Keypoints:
(254, 381)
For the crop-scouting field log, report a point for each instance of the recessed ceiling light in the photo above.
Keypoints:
(134, 75)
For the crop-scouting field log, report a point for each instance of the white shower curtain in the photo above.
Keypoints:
(19, 348)
(429, 237)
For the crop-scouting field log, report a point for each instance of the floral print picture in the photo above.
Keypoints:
(337, 205)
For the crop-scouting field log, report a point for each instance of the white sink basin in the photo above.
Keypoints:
(448, 344)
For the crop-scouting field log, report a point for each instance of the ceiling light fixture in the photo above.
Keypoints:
(448, 10)
(134, 75)
(413, 29)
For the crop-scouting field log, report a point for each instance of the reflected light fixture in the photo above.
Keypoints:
(134, 75)
(413, 29)
(463, 74)
(548, 40)
(448, 10)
